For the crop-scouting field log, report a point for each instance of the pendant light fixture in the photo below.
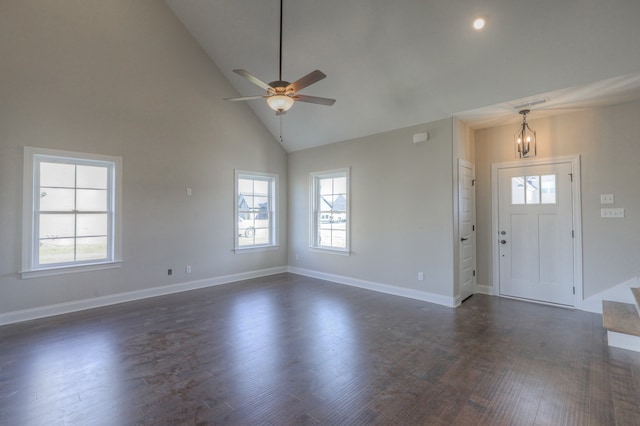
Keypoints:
(525, 139)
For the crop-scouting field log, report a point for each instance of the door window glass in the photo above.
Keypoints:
(533, 189)
(517, 190)
(548, 189)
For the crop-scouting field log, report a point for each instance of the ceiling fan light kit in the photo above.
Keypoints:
(280, 103)
(281, 95)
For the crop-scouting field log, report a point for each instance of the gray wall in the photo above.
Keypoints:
(125, 78)
(401, 209)
(607, 140)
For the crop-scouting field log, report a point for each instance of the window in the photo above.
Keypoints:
(255, 210)
(330, 210)
(533, 189)
(71, 210)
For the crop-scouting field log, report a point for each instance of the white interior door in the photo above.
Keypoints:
(466, 226)
(535, 221)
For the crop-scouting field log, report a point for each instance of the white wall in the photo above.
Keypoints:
(607, 140)
(401, 209)
(125, 78)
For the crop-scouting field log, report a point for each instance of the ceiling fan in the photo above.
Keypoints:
(281, 94)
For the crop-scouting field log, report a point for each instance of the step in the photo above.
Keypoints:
(620, 317)
(622, 323)
(636, 295)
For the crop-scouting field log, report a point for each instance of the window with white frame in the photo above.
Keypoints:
(71, 210)
(255, 211)
(330, 210)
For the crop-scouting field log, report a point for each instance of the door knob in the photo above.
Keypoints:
(503, 241)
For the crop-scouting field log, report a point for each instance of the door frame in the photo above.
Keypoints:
(577, 221)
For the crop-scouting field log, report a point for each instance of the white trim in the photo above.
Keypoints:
(274, 182)
(375, 286)
(336, 252)
(575, 162)
(253, 249)
(485, 289)
(623, 341)
(313, 219)
(63, 270)
(96, 302)
(28, 194)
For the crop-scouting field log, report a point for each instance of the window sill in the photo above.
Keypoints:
(239, 250)
(61, 270)
(336, 252)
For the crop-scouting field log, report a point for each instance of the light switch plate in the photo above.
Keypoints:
(612, 213)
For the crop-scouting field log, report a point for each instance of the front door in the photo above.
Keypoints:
(536, 233)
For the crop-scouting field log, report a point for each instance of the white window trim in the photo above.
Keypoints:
(313, 219)
(29, 270)
(273, 245)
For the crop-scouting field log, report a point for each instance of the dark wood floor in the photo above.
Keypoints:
(293, 350)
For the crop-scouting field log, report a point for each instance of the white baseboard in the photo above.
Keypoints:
(485, 289)
(480, 289)
(379, 287)
(623, 341)
(96, 302)
(619, 293)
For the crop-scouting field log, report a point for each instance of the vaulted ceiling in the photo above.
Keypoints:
(393, 64)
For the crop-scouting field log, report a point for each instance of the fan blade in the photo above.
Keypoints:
(307, 80)
(252, 78)
(244, 98)
(314, 100)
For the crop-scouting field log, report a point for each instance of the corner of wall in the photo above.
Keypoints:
(618, 293)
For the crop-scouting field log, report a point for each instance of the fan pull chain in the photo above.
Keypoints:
(281, 140)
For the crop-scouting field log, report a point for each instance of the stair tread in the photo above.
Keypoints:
(620, 317)
(636, 295)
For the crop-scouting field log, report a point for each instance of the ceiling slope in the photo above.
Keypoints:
(396, 64)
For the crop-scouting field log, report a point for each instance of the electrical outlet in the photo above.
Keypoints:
(189, 192)
(420, 276)
(187, 269)
(612, 213)
(606, 198)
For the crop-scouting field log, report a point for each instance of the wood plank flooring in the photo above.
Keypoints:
(288, 349)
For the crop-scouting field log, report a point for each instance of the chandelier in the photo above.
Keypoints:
(525, 138)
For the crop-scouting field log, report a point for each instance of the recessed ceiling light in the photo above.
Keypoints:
(478, 24)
